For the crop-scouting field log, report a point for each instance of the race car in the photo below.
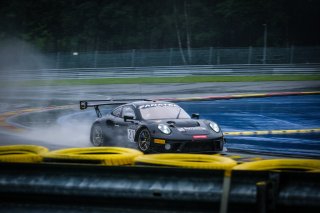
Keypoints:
(153, 126)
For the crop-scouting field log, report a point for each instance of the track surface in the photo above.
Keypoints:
(71, 127)
(263, 114)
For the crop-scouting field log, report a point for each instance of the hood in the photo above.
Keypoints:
(182, 122)
(187, 126)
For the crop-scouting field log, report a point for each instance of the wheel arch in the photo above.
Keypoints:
(138, 132)
(97, 122)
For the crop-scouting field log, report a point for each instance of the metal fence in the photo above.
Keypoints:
(163, 71)
(174, 57)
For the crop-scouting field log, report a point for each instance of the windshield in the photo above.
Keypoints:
(165, 111)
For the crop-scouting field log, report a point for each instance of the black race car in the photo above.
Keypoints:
(154, 126)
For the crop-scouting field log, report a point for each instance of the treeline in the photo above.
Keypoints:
(93, 25)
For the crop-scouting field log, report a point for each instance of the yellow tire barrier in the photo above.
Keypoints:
(196, 161)
(112, 156)
(22, 153)
(281, 164)
(273, 132)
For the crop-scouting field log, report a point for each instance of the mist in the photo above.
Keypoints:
(17, 56)
(20, 62)
(61, 136)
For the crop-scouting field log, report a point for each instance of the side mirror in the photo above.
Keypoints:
(195, 116)
(110, 123)
(128, 118)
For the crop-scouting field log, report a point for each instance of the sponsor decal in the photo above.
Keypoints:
(198, 128)
(200, 137)
(157, 105)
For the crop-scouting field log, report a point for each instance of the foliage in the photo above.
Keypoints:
(88, 25)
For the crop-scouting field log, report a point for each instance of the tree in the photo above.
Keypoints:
(88, 25)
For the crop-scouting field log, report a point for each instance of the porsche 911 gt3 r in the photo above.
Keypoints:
(154, 126)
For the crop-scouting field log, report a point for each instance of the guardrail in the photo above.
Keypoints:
(163, 71)
(115, 179)
(88, 188)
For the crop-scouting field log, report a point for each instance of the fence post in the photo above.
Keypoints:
(210, 55)
(95, 59)
(133, 57)
(218, 56)
(170, 57)
(264, 59)
(250, 55)
(58, 60)
(291, 54)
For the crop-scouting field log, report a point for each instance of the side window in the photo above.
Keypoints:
(127, 110)
(116, 112)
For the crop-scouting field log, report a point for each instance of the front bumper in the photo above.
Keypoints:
(190, 146)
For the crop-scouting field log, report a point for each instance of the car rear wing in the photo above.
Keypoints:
(96, 103)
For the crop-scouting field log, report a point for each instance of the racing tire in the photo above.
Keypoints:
(97, 136)
(22, 153)
(109, 156)
(194, 161)
(144, 141)
(308, 165)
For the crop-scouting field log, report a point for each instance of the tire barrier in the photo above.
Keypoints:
(86, 188)
(195, 161)
(281, 164)
(22, 153)
(273, 132)
(111, 156)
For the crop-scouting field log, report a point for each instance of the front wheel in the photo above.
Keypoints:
(97, 135)
(145, 141)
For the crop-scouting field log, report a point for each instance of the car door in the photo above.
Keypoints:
(118, 117)
(129, 126)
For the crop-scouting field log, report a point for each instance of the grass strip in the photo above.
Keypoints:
(186, 79)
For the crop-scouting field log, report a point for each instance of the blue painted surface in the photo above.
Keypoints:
(272, 113)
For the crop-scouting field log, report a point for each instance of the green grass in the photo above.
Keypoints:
(187, 79)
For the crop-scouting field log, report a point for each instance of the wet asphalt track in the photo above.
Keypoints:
(293, 112)
(263, 114)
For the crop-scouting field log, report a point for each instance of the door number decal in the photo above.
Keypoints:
(131, 134)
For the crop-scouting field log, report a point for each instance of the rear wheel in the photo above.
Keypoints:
(145, 141)
(97, 135)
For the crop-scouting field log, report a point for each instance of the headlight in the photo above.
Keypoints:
(214, 127)
(164, 128)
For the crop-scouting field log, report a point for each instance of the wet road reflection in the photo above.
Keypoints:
(273, 113)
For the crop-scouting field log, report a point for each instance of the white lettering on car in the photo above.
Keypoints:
(131, 134)
(191, 129)
(157, 105)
